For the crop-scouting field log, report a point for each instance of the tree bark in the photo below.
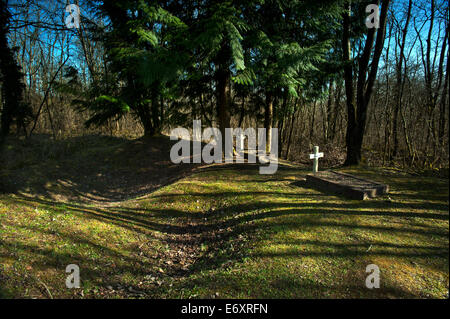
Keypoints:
(143, 112)
(400, 80)
(12, 106)
(443, 101)
(353, 154)
(155, 110)
(223, 78)
(268, 118)
(357, 117)
(291, 129)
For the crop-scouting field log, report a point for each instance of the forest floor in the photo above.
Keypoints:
(139, 226)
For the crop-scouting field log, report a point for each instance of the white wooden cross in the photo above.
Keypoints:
(316, 157)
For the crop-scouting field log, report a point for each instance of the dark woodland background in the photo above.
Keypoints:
(311, 68)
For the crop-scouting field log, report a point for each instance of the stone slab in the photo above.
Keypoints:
(347, 185)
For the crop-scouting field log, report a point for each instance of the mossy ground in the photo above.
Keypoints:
(225, 231)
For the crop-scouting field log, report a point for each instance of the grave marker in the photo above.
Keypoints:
(316, 157)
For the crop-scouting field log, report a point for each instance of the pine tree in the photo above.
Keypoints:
(11, 80)
(290, 40)
(142, 62)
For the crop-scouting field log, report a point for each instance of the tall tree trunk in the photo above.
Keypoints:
(155, 110)
(146, 121)
(400, 80)
(353, 154)
(313, 121)
(443, 101)
(337, 108)
(291, 129)
(329, 112)
(11, 105)
(223, 78)
(430, 79)
(282, 124)
(443, 107)
(241, 117)
(357, 117)
(268, 118)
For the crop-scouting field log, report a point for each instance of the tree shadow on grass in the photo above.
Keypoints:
(212, 240)
(89, 169)
(94, 169)
(198, 242)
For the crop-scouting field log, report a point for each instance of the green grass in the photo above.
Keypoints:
(228, 232)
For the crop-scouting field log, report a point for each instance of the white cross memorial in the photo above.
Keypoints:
(316, 157)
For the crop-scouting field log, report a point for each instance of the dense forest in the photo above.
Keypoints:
(311, 68)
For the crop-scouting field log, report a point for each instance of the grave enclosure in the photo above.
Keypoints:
(347, 185)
